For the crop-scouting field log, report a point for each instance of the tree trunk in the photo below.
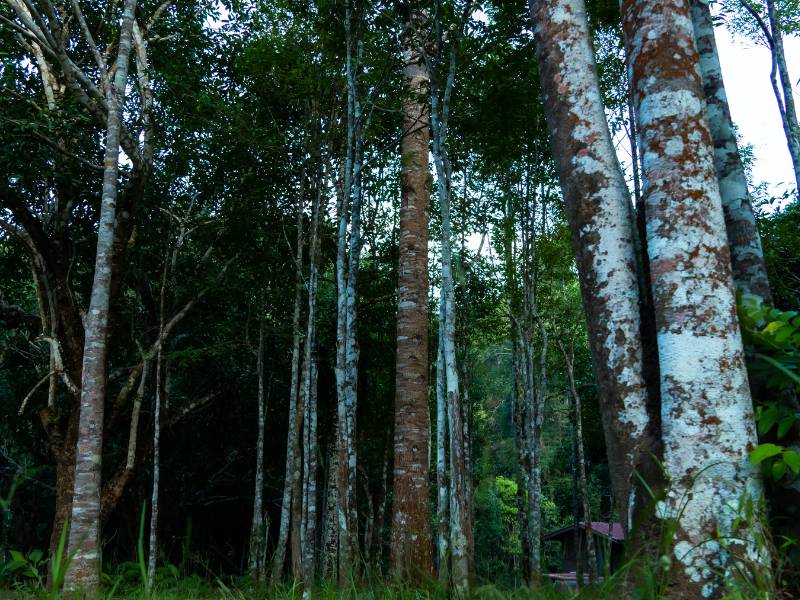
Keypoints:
(84, 536)
(591, 555)
(347, 352)
(412, 552)
(309, 391)
(154, 503)
(747, 257)
(706, 410)
(295, 411)
(599, 213)
(788, 111)
(258, 533)
(442, 489)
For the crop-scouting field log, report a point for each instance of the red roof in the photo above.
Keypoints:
(613, 531)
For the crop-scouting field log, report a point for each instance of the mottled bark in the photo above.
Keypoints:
(258, 532)
(309, 392)
(599, 214)
(459, 515)
(411, 549)
(154, 497)
(347, 352)
(295, 410)
(84, 535)
(442, 487)
(747, 257)
(591, 555)
(706, 410)
(788, 110)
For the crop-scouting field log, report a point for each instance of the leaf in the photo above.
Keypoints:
(35, 556)
(18, 556)
(767, 419)
(792, 458)
(785, 425)
(773, 327)
(763, 452)
(778, 470)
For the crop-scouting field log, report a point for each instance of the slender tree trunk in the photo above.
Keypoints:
(308, 533)
(330, 533)
(706, 409)
(591, 555)
(459, 517)
(788, 112)
(576, 513)
(154, 501)
(411, 551)
(258, 533)
(295, 411)
(599, 213)
(84, 535)
(747, 257)
(523, 460)
(347, 267)
(442, 489)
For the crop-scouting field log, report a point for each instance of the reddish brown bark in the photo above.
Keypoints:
(604, 241)
(412, 550)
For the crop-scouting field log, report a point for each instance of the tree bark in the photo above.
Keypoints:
(309, 391)
(84, 536)
(295, 410)
(154, 500)
(599, 213)
(442, 488)
(258, 533)
(747, 257)
(591, 555)
(706, 410)
(788, 110)
(411, 550)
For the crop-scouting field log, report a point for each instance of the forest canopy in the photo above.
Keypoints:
(421, 297)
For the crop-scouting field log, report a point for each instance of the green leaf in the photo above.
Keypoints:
(35, 556)
(767, 419)
(778, 470)
(18, 556)
(773, 327)
(792, 458)
(763, 452)
(785, 425)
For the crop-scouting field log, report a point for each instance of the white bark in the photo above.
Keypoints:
(84, 535)
(706, 410)
(258, 533)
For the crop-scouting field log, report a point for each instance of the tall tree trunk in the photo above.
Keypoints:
(84, 535)
(459, 517)
(411, 551)
(747, 257)
(154, 501)
(598, 210)
(309, 391)
(706, 409)
(347, 351)
(523, 460)
(442, 489)
(788, 110)
(591, 555)
(295, 410)
(258, 533)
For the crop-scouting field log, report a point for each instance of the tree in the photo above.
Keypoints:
(747, 257)
(604, 241)
(84, 534)
(706, 410)
(411, 524)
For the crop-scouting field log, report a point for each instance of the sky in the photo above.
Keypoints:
(745, 70)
